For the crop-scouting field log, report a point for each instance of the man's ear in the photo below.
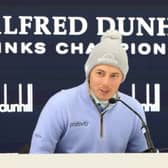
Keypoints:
(88, 78)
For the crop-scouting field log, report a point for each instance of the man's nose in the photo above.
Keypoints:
(106, 81)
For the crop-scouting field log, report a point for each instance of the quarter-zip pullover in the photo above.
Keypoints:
(71, 123)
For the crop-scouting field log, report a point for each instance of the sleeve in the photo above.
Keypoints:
(49, 128)
(137, 141)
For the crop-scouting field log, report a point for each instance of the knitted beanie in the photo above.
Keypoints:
(108, 51)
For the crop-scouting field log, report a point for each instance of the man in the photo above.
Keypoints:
(81, 119)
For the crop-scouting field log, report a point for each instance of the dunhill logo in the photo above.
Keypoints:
(79, 124)
(20, 106)
(108, 57)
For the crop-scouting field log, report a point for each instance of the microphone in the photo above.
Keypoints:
(145, 129)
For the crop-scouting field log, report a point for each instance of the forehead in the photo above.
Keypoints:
(107, 68)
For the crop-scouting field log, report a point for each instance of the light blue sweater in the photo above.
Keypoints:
(71, 123)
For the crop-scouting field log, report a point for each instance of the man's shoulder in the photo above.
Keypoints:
(128, 99)
(68, 94)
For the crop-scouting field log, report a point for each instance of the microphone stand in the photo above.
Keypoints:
(144, 127)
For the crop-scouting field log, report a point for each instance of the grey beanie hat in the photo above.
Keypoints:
(108, 51)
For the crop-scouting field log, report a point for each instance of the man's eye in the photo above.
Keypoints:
(99, 73)
(114, 75)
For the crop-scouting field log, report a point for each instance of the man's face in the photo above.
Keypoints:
(104, 81)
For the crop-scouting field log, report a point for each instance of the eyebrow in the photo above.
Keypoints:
(104, 71)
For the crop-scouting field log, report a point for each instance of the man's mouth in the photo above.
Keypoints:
(103, 91)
